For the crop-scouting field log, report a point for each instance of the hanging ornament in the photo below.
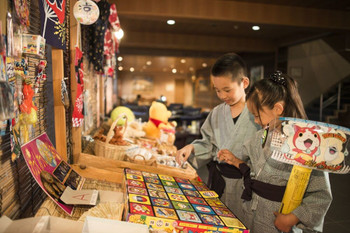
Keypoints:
(22, 11)
(86, 12)
(77, 116)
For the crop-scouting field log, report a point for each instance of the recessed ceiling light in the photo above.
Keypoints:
(120, 68)
(120, 58)
(148, 63)
(256, 28)
(204, 64)
(144, 67)
(191, 68)
(174, 71)
(132, 69)
(183, 60)
(170, 22)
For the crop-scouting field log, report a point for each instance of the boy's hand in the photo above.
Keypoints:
(226, 156)
(183, 154)
(285, 222)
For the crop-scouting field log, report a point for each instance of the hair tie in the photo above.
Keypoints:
(278, 78)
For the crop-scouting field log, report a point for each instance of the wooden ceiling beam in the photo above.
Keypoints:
(187, 42)
(256, 13)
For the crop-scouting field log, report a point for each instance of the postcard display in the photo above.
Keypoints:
(170, 203)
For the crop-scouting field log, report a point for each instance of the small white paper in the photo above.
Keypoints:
(79, 197)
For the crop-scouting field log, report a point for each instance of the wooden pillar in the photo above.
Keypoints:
(3, 14)
(76, 131)
(60, 111)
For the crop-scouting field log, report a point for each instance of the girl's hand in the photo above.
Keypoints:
(285, 222)
(183, 154)
(226, 156)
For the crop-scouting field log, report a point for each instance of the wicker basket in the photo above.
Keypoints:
(140, 159)
(104, 149)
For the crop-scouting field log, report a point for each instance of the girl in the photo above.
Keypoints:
(227, 126)
(268, 100)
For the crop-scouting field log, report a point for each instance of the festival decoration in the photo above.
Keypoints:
(22, 11)
(78, 116)
(309, 145)
(52, 16)
(86, 12)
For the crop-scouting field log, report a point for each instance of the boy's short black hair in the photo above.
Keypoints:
(230, 64)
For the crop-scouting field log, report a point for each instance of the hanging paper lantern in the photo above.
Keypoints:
(86, 12)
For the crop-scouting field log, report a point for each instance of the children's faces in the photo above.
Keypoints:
(266, 115)
(228, 91)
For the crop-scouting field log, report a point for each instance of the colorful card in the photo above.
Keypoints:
(188, 216)
(168, 178)
(161, 202)
(191, 193)
(134, 177)
(215, 202)
(223, 212)
(180, 180)
(135, 183)
(177, 197)
(173, 190)
(232, 222)
(164, 212)
(198, 183)
(139, 199)
(209, 194)
(201, 188)
(204, 209)
(129, 171)
(211, 219)
(154, 186)
(182, 206)
(148, 174)
(170, 183)
(196, 200)
(152, 180)
(187, 186)
(137, 208)
(158, 194)
(137, 190)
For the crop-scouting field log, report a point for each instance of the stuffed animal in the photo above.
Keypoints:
(158, 123)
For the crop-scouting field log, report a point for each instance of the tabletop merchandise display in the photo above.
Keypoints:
(171, 203)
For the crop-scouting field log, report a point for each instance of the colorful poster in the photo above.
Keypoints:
(52, 17)
(48, 169)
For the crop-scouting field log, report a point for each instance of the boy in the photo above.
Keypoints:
(227, 126)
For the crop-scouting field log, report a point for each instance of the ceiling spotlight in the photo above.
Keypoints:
(120, 58)
(170, 22)
(174, 71)
(204, 64)
(148, 63)
(183, 60)
(132, 69)
(120, 68)
(256, 28)
(191, 68)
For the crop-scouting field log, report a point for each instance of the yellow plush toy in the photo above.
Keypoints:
(158, 120)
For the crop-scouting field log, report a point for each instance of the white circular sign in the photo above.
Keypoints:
(86, 12)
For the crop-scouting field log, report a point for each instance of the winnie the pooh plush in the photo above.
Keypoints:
(158, 122)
